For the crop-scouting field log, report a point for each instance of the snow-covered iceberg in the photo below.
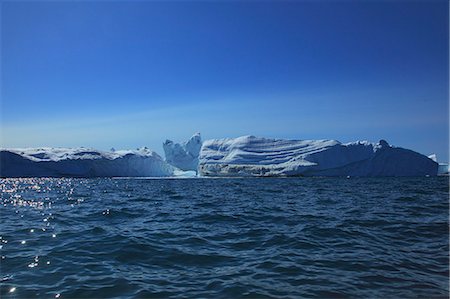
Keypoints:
(185, 155)
(81, 162)
(253, 156)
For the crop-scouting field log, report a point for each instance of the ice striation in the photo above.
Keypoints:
(82, 162)
(183, 156)
(254, 156)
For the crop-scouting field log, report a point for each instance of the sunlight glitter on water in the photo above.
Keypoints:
(31, 199)
(275, 238)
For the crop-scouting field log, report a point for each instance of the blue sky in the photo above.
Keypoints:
(129, 74)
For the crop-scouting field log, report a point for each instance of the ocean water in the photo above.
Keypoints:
(225, 238)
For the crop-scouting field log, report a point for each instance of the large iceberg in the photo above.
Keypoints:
(243, 156)
(81, 162)
(185, 155)
(253, 156)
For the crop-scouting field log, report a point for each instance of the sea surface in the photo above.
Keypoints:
(225, 238)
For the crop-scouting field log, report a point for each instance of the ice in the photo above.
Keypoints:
(433, 157)
(185, 174)
(81, 162)
(443, 168)
(242, 156)
(183, 156)
(254, 156)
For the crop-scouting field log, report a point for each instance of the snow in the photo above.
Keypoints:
(81, 162)
(183, 156)
(254, 156)
(433, 157)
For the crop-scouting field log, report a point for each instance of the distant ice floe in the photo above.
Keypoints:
(254, 156)
(443, 168)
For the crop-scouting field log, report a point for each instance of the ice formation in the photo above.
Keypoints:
(81, 162)
(243, 156)
(253, 156)
(183, 156)
(443, 168)
(433, 157)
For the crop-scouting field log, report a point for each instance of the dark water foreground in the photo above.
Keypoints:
(296, 237)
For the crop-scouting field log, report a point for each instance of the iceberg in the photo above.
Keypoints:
(183, 156)
(82, 162)
(254, 156)
(443, 169)
(242, 156)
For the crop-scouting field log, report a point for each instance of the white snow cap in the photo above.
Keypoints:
(433, 157)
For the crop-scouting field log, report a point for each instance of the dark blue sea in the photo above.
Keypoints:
(225, 238)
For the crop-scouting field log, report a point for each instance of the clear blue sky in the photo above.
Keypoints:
(128, 74)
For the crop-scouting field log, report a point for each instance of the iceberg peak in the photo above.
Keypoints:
(433, 157)
(183, 155)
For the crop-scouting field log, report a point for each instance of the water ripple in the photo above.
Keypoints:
(229, 238)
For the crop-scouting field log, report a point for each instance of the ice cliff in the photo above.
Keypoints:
(253, 156)
(243, 156)
(183, 156)
(81, 162)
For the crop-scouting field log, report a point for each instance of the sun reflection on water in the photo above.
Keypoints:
(31, 199)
